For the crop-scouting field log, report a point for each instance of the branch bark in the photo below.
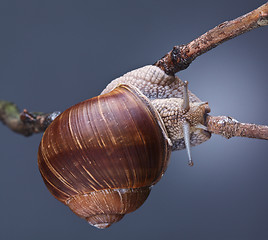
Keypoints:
(229, 127)
(25, 123)
(180, 57)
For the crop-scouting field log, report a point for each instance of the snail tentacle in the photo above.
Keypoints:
(186, 134)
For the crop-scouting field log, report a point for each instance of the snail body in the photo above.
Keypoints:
(102, 156)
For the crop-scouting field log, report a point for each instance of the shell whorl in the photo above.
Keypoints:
(107, 149)
(105, 207)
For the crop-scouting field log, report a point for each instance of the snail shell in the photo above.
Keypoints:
(101, 156)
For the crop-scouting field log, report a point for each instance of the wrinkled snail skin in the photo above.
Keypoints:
(101, 157)
(166, 94)
(153, 82)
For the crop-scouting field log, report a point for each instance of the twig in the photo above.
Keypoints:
(176, 60)
(180, 57)
(229, 127)
(25, 123)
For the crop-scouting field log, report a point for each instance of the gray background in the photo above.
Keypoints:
(54, 54)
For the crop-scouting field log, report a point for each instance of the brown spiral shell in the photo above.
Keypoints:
(101, 156)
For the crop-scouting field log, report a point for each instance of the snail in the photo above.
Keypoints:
(102, 156)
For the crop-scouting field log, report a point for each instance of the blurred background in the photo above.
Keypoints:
(54, 54)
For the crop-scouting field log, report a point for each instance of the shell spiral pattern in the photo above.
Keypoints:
(101, 156)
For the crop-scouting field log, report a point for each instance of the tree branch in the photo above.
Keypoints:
(180, 57)
(229, 127)
(25, 123)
